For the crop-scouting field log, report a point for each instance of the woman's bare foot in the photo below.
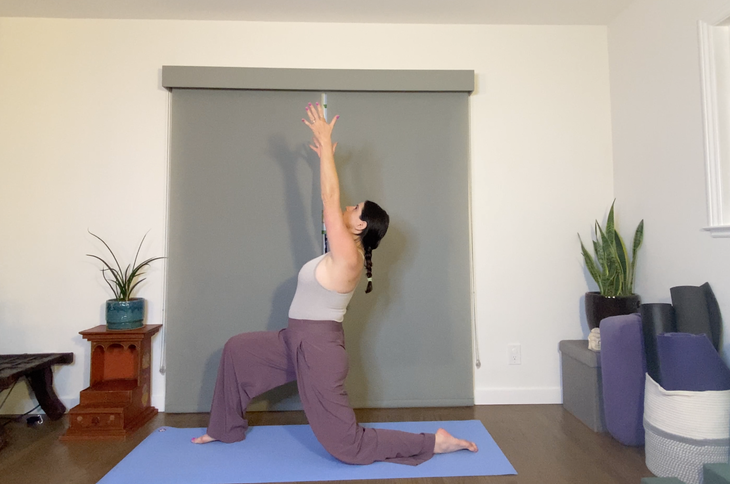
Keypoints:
(203, 439)
(445, 443)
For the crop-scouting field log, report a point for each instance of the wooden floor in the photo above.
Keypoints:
(544, 443)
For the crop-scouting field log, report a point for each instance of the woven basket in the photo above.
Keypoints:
(685, 430)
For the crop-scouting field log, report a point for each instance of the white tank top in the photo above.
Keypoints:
(314, 301)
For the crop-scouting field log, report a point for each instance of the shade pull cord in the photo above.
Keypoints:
(163, 333)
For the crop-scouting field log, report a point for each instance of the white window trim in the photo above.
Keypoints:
(718, 221)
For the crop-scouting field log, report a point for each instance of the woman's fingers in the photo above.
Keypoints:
(318, 124)
(310, 112)
(316, 112)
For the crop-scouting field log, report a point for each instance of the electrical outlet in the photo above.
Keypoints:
(515, 354)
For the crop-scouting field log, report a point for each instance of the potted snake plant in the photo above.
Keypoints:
(123, 311)
(613, 271)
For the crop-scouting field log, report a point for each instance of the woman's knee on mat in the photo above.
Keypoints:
(346, 448)
(350, 454)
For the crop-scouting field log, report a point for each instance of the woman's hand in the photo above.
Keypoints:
(317, 147)
(321, 129)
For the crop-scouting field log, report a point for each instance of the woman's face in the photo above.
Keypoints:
(352, 218)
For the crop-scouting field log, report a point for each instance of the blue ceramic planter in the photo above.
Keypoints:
(125, 314)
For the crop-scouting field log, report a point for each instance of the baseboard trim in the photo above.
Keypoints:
(482, 396)
(446, 402)
(518, 396)
(158, 401)
(293, 404)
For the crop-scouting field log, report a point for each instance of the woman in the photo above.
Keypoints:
(311, 349)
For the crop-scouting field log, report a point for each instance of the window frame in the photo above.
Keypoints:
(714, 43)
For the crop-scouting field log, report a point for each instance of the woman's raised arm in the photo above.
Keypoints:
(343, 248)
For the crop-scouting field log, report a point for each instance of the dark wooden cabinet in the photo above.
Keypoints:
(117, 402)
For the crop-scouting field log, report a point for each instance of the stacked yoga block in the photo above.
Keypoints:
(665, 385)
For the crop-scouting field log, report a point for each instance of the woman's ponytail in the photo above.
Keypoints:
(369, 268)
(377, 225)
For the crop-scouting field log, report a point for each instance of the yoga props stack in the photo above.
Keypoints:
(681, 411)
(687, 418)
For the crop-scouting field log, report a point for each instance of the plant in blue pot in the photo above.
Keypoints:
(124, 311)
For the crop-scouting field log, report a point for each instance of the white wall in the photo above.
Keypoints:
(658, 147)
(83, 144)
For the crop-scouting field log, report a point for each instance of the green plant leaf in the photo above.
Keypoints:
(590, 264)
(606, 248)
(122, 283)
(612, 270)
(135, 271)
(114, 272)
(622, 259)
(610, 226)
(598, 246)
(134, 264)
(137, 283)
(638, 240)
(113, 287)
(616, 285)
(119, 268)
(603, 259)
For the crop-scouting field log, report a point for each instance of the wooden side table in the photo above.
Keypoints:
(117, 402)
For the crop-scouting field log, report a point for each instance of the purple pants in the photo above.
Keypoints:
(313, 353)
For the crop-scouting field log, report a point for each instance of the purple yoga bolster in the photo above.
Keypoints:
(690, 362)
(623, 365)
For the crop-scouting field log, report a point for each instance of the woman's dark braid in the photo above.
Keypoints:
(369, 268)
(377, 221)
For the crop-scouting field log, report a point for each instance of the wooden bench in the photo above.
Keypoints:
(37, 369)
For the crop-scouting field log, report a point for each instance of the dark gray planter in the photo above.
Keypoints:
(599, 307)
(125, 314)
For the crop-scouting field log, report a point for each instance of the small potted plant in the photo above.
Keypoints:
(613, 271)
(124, 311)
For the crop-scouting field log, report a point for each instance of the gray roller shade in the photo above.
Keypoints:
(245, 215)
(183, 77)
(409, 340)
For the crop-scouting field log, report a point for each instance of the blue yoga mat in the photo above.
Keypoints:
(286, 453)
